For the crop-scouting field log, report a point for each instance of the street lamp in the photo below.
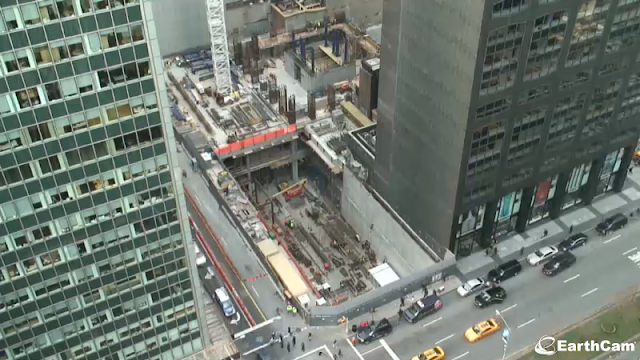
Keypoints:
(506, 334)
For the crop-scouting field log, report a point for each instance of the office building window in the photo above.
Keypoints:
(624, 30)
(501, 58)
(576, 79)
(565, 120)
(630, 104)
(587, 32)
(526, 135)
(534, 94)
(484, 155)
(493, 108)
(546, 43)
(508, 7)
(601, 106)
(10, 141)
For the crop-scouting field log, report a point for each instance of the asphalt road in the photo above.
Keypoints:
(257, 291)
(237, 283)
(535, 306)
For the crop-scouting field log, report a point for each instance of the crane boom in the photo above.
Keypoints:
(219, 46)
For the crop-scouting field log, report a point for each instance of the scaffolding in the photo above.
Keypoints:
(219, 46)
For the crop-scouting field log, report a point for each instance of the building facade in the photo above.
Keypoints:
(496, 114)
(92, 222)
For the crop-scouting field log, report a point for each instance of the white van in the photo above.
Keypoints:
(201, 260)
(225, 302)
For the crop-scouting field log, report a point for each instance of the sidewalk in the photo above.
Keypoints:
(390, 310)
(582, 218)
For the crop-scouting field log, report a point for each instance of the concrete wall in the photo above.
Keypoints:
(321, 80)
(361, 12)
(361, 210)
(184, 23)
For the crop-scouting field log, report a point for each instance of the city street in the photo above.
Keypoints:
(535, 306)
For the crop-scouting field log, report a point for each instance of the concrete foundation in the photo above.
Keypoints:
(318, 80)
(374, 223)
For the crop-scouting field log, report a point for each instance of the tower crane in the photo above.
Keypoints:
(219, 46)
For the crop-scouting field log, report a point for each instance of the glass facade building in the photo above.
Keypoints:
(92, 222)
(496, 114)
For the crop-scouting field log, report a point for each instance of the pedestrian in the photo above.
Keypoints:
(309, 337)
(320, 353)
(335, 342)
(521, 250)
(335, 356)
(401, 301)
(302, 346)
(545, 233)
(281, 345)
(571, 229)
(399, 314)
(289, 330)
(273, 336)
(630, 170)
(288, 347)
(486, 251)
(293, 340)
(495, 251)
(425, 291)
(340, 353)
(281, 338)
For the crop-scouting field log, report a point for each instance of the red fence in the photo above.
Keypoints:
(256, 140)
(217, 265)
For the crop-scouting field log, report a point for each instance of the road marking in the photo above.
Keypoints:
(354, 349)
(324, 348)
(374, 349)
(571, 278)
(391, 353)
(610, 240)
(460, 356)
(525, 324)
(509, 308)
(589, 292)
(432, 322)
(224, 242)
(255, 291)
(629, 251)
(445, 339)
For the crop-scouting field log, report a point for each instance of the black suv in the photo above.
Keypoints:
(573, 242)
(373, 331)
(504, 271)
(558, 263)
(494, 295)
(613, 223)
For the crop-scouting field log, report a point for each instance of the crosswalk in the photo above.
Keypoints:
(635, 258)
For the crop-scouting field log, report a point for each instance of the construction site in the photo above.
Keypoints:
(272, 127)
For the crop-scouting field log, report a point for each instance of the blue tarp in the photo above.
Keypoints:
(177, 114)
(191, 55)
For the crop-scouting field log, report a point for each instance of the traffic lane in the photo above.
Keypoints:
(237, 322)
(246, 262)
(531, 292)
(248, 301)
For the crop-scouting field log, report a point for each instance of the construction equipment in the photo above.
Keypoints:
(224, 180)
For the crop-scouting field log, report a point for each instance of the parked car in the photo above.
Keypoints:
(374, 331)
(541, 255)
(504, 271)
(558, 263)
(201, 260)
(422, 308)
(471, 287)
(573, 242)
(612, 223)
(494, 295)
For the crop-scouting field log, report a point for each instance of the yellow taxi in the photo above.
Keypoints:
(432, 354)
(482, 330)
